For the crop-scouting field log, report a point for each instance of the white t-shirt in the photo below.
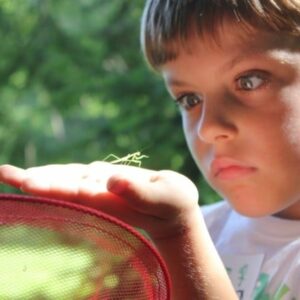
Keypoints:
(261, 255)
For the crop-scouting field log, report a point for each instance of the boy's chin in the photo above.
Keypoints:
(262, 207)
(252, 214)
(253, 210)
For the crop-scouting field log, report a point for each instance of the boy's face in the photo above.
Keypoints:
(240, 106)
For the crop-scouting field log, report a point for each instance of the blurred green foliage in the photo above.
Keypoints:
(74, 87)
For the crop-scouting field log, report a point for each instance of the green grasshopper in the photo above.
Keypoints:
(130, 159)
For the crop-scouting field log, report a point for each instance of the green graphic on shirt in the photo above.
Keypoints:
(242, 274)
(283, 290)
(260, 290)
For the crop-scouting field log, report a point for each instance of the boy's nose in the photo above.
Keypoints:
(214, 126)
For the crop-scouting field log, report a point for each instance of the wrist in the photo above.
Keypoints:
(164, 230)
(180, 226)
(193, 262)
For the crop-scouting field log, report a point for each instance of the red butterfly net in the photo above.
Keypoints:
(51, 249)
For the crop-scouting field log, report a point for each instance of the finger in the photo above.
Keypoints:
(60, 181)
(68, 182)
(57, 172)
(12, 175)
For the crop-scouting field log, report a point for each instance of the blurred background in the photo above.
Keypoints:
(74, 88)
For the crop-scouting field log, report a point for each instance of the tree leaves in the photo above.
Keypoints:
(74, 86)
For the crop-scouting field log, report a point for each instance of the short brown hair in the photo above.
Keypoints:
(166, 24)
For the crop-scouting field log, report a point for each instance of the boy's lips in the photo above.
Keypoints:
(227, 168)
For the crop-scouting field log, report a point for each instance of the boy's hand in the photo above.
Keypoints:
(164, 203)
(157, 201)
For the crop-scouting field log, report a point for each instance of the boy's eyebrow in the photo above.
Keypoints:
(226, 67)
(256, 48)
(175, 82)
(240, 58)
(233, 62)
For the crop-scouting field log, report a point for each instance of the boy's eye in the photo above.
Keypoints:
(250, 82)
(188, 101)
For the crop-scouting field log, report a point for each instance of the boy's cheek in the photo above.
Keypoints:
(291, 119)
(291, 129)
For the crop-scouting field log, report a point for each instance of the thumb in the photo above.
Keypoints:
(161, 194)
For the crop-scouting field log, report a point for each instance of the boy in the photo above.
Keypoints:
(233, 67)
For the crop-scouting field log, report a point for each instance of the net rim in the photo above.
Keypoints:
(98, 214)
